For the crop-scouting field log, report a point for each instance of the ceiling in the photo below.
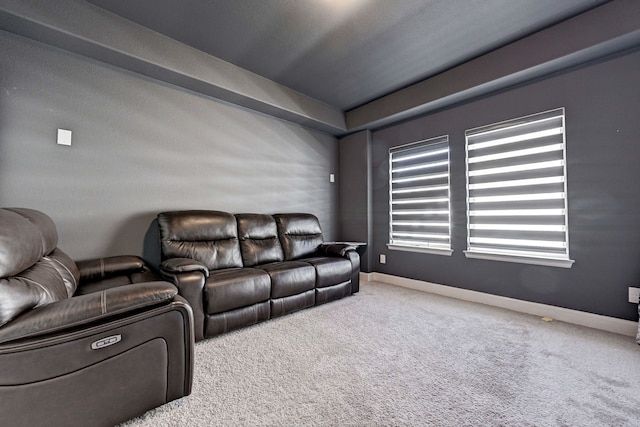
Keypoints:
(346, 53)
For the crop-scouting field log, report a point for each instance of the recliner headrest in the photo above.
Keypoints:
(26, 235)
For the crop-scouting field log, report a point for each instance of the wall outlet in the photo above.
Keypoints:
(383, 260)
(634, 295)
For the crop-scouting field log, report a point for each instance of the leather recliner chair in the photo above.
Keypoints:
(87, 344)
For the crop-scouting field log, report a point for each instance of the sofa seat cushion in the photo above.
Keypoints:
(330, 270)
(233, 288)
(290, 277)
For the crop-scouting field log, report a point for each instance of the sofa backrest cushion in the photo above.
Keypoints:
(259, 242)
(210, 237)
(300, 234)
(33, 272)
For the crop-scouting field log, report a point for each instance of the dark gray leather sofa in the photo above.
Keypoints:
(238, 270)
(87, 344)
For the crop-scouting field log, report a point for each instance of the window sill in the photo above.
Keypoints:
(549, 262)
(433, 251)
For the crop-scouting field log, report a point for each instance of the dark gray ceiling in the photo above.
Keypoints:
(346, 52)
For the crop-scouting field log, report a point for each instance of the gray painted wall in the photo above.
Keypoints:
(355, 192)
(602, 101)
(141, 147)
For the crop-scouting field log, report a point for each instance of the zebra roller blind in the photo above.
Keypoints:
(419, 196)
(517, 190)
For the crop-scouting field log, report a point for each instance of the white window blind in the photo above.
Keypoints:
(517, 191)
(419, 196)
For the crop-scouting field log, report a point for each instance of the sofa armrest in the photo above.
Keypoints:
(102, 268)
(349, 250)
(84, 309)
(189, 276)
(174, 266)
(359, 247)
(336, 249)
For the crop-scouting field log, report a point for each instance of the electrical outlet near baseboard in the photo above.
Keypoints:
(383, 260)
(634, 295)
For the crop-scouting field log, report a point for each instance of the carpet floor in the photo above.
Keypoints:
(391, 356)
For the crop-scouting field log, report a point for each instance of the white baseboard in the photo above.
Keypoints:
(596, 321)
(366, 276)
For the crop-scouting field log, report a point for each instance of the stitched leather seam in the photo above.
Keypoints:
(103, 301)
(224, 317)
(83, 321)
(65, 267)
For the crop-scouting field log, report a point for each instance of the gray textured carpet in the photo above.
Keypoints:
(393, 356)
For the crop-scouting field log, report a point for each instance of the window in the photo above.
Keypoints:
(517, 191)
(419, 197)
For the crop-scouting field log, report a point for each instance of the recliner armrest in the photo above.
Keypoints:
(85, 309)
(102, 268)
(174, 266)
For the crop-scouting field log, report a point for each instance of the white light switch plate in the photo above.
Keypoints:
(64, 137)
